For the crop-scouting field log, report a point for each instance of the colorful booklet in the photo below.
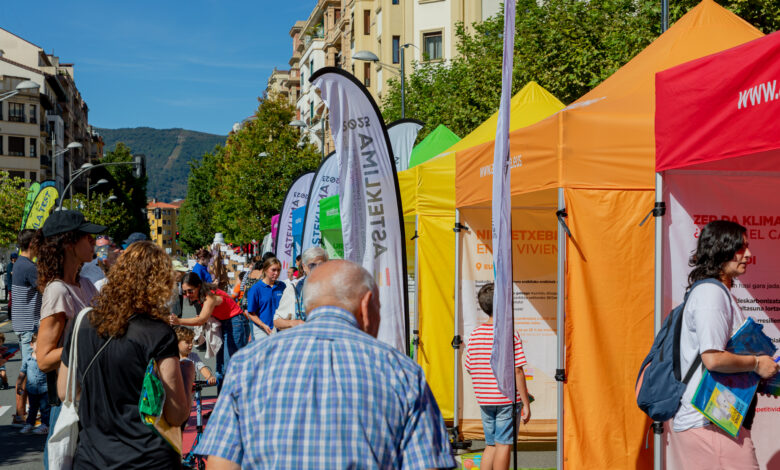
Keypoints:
(725, 398)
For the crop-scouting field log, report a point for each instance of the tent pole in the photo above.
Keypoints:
(560, 373)
(456, 336)
(416, 323)
(658, 462)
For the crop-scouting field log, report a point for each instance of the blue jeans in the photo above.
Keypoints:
(38, 401)
(234, 337)
(25, 338)
(497, 423)
(54, 413)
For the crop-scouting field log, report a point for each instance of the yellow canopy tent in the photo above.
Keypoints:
(428, 199)
(597, 157)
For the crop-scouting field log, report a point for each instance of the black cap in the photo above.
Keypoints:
(134, 237)
(68, 221)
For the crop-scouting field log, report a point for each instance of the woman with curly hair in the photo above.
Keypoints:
(63, 245)
(209, 300)
(710, 318)
(127, 329)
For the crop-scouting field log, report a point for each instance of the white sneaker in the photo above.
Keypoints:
(27, 429)
(42, 429)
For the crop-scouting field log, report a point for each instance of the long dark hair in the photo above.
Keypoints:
(718, 242)
(204, 288)
(51, 255)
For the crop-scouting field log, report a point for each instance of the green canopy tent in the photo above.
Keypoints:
(439, 140)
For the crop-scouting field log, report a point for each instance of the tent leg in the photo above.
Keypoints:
(416, 322)
(456, 343)
(560, 373)
(658, 461)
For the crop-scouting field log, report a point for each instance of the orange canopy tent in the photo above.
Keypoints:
(597, 157)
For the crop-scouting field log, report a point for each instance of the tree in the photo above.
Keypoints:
(99, 210)
(195, 214)
(567, 46)
(130, 191)
(250, 189)
(13, 196)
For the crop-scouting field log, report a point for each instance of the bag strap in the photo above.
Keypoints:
(96, 356)
(678, 332)
(73, 359)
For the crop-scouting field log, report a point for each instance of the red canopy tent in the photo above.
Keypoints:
(717, 130)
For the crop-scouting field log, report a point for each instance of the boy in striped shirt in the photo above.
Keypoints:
(496, 409)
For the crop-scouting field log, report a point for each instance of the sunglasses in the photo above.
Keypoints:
(189, 291)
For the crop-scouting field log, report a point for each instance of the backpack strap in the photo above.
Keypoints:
(678, 332)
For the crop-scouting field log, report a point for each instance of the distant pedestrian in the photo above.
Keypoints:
(9, 268)
(33, 382)
(201, 266)
(26, 307)
(176, 303)
(495, 407)
(327, 394)
(263, 299)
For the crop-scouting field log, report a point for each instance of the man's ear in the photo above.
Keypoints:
(365, 310)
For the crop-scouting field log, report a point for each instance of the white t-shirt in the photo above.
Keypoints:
(286, 308)
(710, 318)
(63, 297)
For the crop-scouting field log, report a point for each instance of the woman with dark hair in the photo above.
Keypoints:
(710, 318)
(201, 267)
(263, 299)
(65, 242)
(124, 332)
(209, 300)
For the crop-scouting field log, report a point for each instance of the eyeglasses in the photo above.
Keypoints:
(313, 265)
(189, 291)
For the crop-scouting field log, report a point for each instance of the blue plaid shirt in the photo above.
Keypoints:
(326, 395)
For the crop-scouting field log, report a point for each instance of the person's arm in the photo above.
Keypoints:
(177, 403)
(208, 376)
(62, 381)
(522, 389)
(729, 363)
(286, 311)
(255, 318)
(212, 301)
(49, 332)
(218, 463)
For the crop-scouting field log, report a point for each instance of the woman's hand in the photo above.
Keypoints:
(265, 328)
(173, 320)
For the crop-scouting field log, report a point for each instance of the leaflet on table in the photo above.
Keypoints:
(725, 398)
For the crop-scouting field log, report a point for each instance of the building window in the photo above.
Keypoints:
(33, 147)
(367, 74)
(396, 49)
(33, 176)
(311, 67)
(311, 112)
(16, 112)
(16, 146)
(366, 22)
(33, 114)
(1, 137)
(432, 46)
(395, 2)
(16, 174)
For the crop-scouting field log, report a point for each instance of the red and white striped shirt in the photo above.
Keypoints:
(478, 365)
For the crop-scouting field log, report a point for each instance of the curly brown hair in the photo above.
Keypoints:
(139, 283)
(183, 333)
(51, 255)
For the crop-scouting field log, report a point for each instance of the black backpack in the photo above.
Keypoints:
(659, 387)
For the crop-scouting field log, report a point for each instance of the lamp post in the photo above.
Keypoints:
(369, 56)
(22, 86)
(109, 198)
(91, 187)
(55, 154)
(87, 167)
(71, 146)
(302, 125)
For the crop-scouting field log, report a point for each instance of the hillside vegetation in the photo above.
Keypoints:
(168, 153)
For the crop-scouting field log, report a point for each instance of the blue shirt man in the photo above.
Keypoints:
(327, 394)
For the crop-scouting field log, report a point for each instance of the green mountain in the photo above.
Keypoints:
(168, 153)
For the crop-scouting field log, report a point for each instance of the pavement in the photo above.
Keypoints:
(25, 451)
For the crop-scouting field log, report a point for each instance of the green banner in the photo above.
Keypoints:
(330, 227)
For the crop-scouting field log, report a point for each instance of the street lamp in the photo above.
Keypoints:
(302, 125)
(91, 187)
(137, 162)
(369, 56)
(22, 86)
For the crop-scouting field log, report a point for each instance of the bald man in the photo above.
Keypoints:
(327, 394)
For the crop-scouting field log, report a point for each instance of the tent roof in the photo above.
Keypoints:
(720, 107)
(604, 140)
(433, 144)
(527, 107)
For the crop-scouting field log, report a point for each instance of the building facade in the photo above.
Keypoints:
(163, 225)
(37, 125)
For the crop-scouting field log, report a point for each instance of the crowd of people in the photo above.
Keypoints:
(302, 380)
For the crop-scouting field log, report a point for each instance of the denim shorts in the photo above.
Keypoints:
(497, 423)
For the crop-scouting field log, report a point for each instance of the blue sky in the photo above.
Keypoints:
(198, 64)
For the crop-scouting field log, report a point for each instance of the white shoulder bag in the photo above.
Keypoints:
(65, 435)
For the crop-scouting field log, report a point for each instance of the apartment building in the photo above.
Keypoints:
(163, 225)
(37, 125)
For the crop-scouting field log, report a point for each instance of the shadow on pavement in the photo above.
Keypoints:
(21, 451)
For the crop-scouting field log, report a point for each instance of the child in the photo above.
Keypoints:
(496, 409)
(3, 375)
(185, 336)
(37, 392)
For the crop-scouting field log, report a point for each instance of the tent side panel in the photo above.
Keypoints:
(609, 328)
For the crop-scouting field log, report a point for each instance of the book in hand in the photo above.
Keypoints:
(724, 399)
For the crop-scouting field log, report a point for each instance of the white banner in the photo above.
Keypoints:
(695, 198)
(372, 223)
(324, 184)
(296, 197)
(403, 133)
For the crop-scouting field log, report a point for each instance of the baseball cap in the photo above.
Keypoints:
(67, 221)
(14, 255)
(134, 237)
